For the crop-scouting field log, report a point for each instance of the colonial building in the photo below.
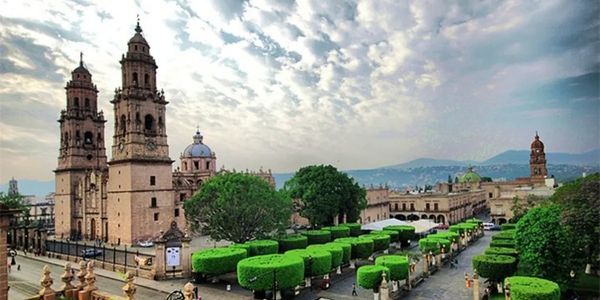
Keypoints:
(378, 207)
(136, 194)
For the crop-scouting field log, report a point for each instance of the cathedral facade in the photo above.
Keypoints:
(136, 194)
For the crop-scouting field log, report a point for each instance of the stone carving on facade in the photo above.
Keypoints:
(129, 289)
(46, 283)
(67, 277)
(90, 278)
(81, 275)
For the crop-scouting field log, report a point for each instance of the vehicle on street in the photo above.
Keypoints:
(90, 252)
(442, 226)
(145, 244)
(488, 226)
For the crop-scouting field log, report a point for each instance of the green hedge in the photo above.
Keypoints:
(336, 251)
(362, 247)
(531, 288)
(394, 235)
(346, 248)
(502, 251)
(380, 241)
(508, 226)
(369, 277)
(503, 243)
(256, 273)
(316, 261)
(355, 228)
(397, 264)
(291, 242)
(406, 232)
(474, 221)
(217, 261)
(338, 231)
(242, 246)
(494, 267)
(317, 236)
(433, 244)
(451, 236)
(457, 229)
(504, 235)
(262, 247)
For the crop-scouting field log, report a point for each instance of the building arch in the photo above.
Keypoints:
(441, 219)
(501, 221)
(423, 216)
(401, 217)
(432, 218)
(93, 229)
(412, 217)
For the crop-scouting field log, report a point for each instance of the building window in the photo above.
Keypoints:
(152, 180)
(155, 216)
(403, 206)
(208, 165)
(181, 197)
(196, 166)
(76, 102)
(135, 79)
(412, 206)
(146, 77)
(149, 122)
(185, 166)
(396, 206)
(177, 212)
(87, 103)
(491, 195)
(153, 202)
(435, 206)
(88, 138)
(427, 206)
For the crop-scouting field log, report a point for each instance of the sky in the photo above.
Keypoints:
(284, 84)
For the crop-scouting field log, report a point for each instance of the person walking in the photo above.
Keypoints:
(9, 267)
(18, 267)
(354, 293)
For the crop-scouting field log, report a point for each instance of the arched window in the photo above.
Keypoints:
(123, 120)
(146, 79)
(135, 78)
(185, 166)
(87, 103)
(160, 122)
(88, 138)
(76, 102)
(99, 137)
(148, 122)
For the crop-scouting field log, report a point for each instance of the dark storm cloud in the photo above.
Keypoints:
(40, 58)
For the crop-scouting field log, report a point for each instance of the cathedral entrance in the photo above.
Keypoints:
(93, 229)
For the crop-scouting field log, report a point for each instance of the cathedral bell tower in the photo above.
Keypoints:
(140, 200)
(81, 145)
(537, 161)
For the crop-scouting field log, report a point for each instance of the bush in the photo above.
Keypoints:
(394, 235)
(397, 264)
(346, 248)
(508, 226)
(242, 246)
(503, 243)
(288, 270)
(336, 251)
(338, 231)
(406, 232)
(457, 229)
(262, 247)
(494, 267)
(369, 277)
(532, 288)
(361, 247)
(502, 251)
(433, 244)
(217, 261)
(317, 236)
(451, 236)
(380, 241)
(316, 261)
(354, 228)
(504, 235)
(291, 242)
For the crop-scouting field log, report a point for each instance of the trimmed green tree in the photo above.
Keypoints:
(503, 243)
(532, 288)
(355, 228)
(259, 272)
(362, 247)
(394, 235)
(398, 265)
(504, 235)
(494, 267)
(406, 232)
(434, 245)
(336, 251)
(291, 242)
(508, 226)
(380, 241)
(502, 251)
(237, 207)
(346, 248)
(317, 236)
(337, 231)
(262, 247)
(451, 236)
(369, 277)
(316, 261)
(217, 261)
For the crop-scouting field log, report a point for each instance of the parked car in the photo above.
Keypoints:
(488, 226)
(90, 252)
(147, 243)
(442, 226)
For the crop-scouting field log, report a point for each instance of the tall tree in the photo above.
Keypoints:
(520, 206)
(238, 207)
(326, 193)
(14, 201)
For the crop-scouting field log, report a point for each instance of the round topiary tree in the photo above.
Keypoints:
(262, 247)
(242, 246)
(433, 244)
(336, 251)
(291, 242)
(532, 288)
(380, 241)
(338, 231)
(346, 250)
(474, 221)
(451, 236)
(406, 232)
(259, 272)
(504, 235)
(502, 251)
(217, 261)
(369, 277)
(508, 226)
(362, 247)
(394, 235)
(355, 228)
(458, 229)
(494, 267)
(398, 265)
(316, 261)
(317, 236)
(503, 243)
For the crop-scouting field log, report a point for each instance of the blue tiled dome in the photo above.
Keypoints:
(197, 149)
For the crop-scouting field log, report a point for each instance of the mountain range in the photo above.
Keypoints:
(504, 166)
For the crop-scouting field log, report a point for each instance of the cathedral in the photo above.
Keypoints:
(136, 194)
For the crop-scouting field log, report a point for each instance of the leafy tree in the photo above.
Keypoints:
(544, 245)
(520, 207)
(15, 201)
(486, 179)
(326, 193)
(237, 207)
(580, 202)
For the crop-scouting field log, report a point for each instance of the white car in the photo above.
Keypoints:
(147, 243)
(488, 226)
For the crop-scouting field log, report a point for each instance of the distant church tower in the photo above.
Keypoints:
(13, 187)
(81, 148)
(537, 161)
(140, 190)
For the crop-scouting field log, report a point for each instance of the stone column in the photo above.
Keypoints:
(475, 285)
(384, 293)
(186, 256)
(160, 265)
(66, 278)
(81, 276)
(47, 293)
(90, 283)
(44, 236)
(129, 288)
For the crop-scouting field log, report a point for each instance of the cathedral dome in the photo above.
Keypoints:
(197, 148)
(537, 144)
(81, 69)
(470, 176)
(138, 37)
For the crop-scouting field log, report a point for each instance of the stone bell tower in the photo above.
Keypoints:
(537, 161)
(140, 197)
(81, 147)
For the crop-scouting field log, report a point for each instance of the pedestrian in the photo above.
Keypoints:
(354, 293)
(9, 267)
(19, 267)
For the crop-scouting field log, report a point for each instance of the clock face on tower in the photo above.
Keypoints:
(150, 145)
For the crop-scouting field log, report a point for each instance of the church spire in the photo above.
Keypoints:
(81, 59)
(138, 29)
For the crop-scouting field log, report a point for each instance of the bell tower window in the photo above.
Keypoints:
(149, 122)
(87, 103)
(123, 125)
(76, 102)
(208, 165)
(146, 79)
(88, 138)
(196, 166)
(135, 78)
